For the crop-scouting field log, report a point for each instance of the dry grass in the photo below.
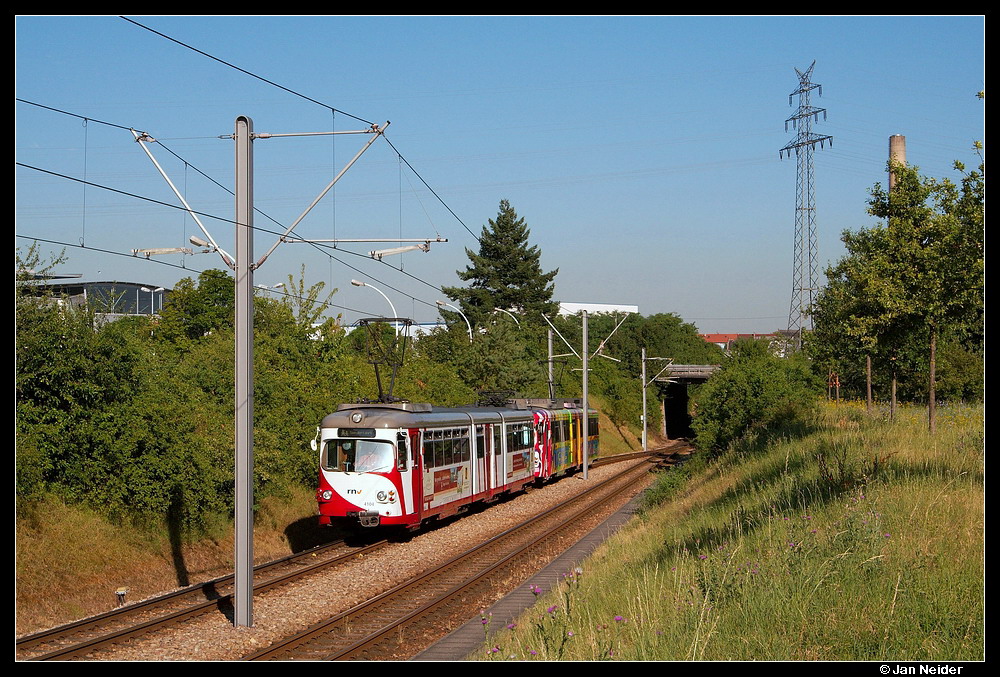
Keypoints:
(874, 553)
(70, 561)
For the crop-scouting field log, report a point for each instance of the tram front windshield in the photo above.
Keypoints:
(358, 455)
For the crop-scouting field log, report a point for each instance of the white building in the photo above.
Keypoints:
(595, 308)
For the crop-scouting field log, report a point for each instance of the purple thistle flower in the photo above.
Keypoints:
(702, 556)
(569, 633)
(620, 619)
(511, 626)
(533, 652)
(552, 609)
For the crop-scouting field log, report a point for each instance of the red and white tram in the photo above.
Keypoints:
(401, 464)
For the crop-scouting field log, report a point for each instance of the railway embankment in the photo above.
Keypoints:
(857, 538)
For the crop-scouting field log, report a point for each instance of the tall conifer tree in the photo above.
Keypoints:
(505, 273)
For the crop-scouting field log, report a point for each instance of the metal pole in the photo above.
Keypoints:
(586, 416)
(244, 372)
(644, 448)
(552, 385)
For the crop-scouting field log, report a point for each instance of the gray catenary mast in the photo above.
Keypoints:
(804, 282)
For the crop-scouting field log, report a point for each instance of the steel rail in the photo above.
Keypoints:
(283, 648)
(222, 602)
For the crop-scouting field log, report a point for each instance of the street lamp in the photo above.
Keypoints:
(152, 303)
(442, 303)
(501, 310)
(269, 287)
(359, 283)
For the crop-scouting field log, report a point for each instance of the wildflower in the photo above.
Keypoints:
(495, 649)
(511, 626)
(552, 609)
(888, 535)
(533, 652)
(535, 590)
(569, 633)
(620, 619)
(702, 556)
(578, 571)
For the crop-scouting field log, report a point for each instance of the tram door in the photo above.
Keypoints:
(405, 465)
(481, 481)
(499, 473)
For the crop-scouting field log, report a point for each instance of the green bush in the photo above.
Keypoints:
(754, 391)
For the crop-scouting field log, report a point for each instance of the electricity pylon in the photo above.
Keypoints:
(804, 280)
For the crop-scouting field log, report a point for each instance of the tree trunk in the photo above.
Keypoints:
(892, 405)
(868, 379)
(932, 393)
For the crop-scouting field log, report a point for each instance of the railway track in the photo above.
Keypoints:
(403, 619)
(84, 637)
(88, 637)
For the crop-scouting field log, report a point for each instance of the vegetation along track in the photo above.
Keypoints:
(83, 637)
(403, 619)
(86, 638)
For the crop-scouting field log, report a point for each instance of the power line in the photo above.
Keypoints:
(256, 228)
(433, 192)
(246, 72)
(310, 99)
(76, 115)
(264, 214)
(174, 265)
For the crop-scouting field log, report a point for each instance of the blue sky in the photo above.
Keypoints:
(642, 151)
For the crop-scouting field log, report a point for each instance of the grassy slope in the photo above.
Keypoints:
(861, 541)
(71, 561)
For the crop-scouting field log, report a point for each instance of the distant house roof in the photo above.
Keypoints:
(724, 341)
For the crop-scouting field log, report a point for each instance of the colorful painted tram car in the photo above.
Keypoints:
(402, 464)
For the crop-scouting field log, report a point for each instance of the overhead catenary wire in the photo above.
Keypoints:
(312, 100)
(187, 164)
(233, 222)
(244, 71)
(174, 265)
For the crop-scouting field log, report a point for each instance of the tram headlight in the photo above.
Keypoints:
(382, 496)
(326, 495)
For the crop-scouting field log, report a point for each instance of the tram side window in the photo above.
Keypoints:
(518, 437)
(447, 447)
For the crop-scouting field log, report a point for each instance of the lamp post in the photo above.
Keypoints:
(512, 316)
(152, 297)
(442, 303)
(359, 283)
